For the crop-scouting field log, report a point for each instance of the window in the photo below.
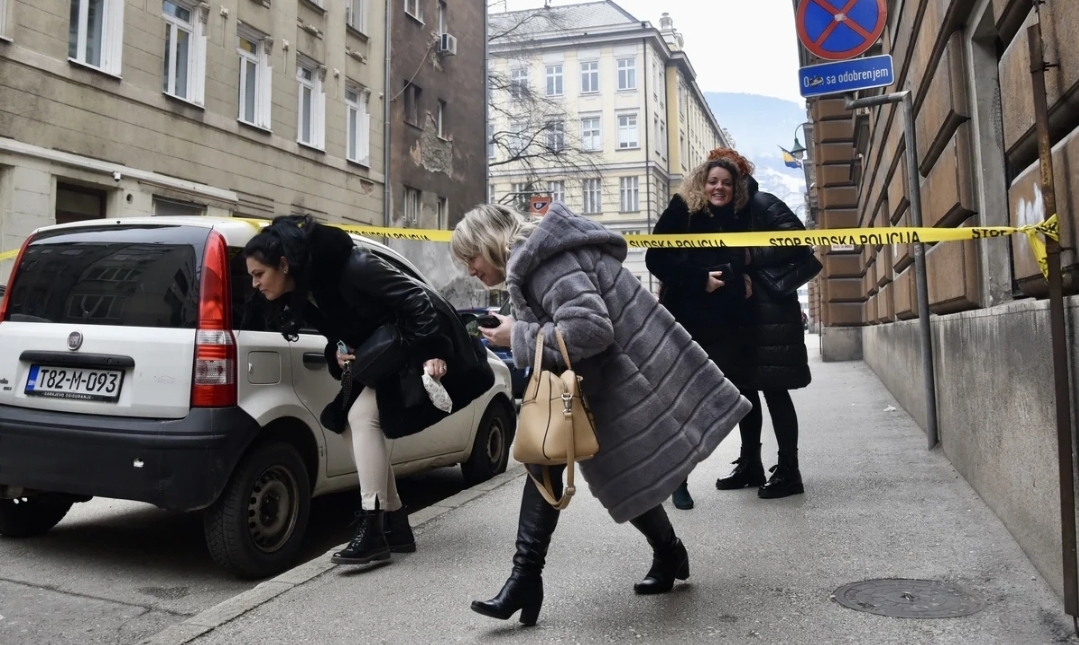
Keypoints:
(358, 128)
(78, 204)
(518, 137)
(627, 131)
(557, 191)
(440, 119)
(443, 213)
(185, 52)
(170, 208)
(520, 195)
(630, 194)
(490, 193)
(492, 146)
(627, 73)
(590, 133)
(255, 79)
(96, 34)
(682, 148)
(442, 17)
(412, 104)
(593, 196)
(554, 80)
(412, 8)
(590, 77)
(556, 137)
(357, 15)
(519, 82)
(412, 206)
(311, 121)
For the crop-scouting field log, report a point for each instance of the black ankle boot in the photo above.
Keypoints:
(748, 471)
(786, 479)
(399, 532)
(368, 544)
(524, 589)
(670, 560)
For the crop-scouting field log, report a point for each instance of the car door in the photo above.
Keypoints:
(316, 389)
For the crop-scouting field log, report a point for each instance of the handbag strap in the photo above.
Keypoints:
(537, 364)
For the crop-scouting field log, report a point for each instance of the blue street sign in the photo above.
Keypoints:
(846, 76)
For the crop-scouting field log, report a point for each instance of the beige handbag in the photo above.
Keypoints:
(555, 426)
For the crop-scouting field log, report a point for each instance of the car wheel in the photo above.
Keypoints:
(31, 516)
(255, 529)
(491, 449)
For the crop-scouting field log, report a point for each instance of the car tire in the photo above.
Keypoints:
(256, 528)
(491, 448)
(31, 516)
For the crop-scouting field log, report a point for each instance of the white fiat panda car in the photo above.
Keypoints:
(124, 373)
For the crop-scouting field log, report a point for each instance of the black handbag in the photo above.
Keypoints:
(380, 356)
(785, 279)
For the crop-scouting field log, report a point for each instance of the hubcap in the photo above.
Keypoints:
(496, 440)
(273, 508)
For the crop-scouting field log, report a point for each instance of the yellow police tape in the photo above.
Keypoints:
(818, 237)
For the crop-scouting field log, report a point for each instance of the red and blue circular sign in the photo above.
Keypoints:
(840, 29)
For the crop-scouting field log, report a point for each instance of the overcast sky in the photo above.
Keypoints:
(745, 46)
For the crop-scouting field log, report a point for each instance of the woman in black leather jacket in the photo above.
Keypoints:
(758, 344)
(314, 275)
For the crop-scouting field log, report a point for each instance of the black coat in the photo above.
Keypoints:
(720, 321)
(353, 292)
(780, 358)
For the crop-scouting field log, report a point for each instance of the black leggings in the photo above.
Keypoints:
(784, 420)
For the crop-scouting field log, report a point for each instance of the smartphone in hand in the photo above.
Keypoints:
(488, 322)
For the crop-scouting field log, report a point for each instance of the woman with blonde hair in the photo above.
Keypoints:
(660, 406)
(753, 335)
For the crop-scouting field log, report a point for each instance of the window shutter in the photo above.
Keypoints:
(265, 88)
(197, 93)
(113, 37)
(364, 146)
(318, 112)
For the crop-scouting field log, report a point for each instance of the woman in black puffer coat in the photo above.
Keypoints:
(780, 360)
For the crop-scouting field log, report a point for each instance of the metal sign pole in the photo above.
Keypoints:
(915, 190)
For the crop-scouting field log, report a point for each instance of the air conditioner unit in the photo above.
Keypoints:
(447, 44)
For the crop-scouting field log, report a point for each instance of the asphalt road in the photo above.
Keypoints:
(116, 572)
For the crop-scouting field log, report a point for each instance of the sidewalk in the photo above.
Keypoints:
(878, 505)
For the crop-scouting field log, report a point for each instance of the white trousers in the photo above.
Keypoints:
(371, 454)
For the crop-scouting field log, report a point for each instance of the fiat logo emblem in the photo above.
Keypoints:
(74, 341)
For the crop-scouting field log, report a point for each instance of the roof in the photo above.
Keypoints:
(588, 15)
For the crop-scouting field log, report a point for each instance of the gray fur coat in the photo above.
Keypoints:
(660, 405)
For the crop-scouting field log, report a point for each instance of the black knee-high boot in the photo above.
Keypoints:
(670, 560)
(524, 589)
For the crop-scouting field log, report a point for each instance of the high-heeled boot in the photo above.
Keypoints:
(748, 470)
(524, 589)
(670, 560)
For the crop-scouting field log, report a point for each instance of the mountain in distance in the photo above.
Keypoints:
(759, 125)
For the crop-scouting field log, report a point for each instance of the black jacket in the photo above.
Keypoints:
(780, 358)
(353, 291)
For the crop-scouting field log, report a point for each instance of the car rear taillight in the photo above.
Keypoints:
(6, 299)
(214, 383)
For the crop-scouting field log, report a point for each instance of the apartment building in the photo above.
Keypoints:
(968, 66)
(115, 108)
(598, 109)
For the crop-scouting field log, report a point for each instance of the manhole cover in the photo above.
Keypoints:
(908, 599)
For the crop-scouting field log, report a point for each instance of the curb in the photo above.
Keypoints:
(231, 609)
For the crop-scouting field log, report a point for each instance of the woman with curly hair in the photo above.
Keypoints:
(755, 337)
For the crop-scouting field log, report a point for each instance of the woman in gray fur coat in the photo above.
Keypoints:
(660, 405)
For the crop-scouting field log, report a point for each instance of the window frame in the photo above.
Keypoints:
(263, 93)
(555, 135)
(110, 40)
(351, 15)
(195, 92)
(623, 129)
(519, 82)
(358, 134)
(442, 26)
(629, 194)
(440, 120)
(556, 190)
(316, 126)
(411, 104)
(592, 73)
(417, 13)
(442, 213)
(556, 80)
(592, 194)
(592, 142)
(627, 73)
(411, 202)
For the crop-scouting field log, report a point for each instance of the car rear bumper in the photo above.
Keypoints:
(179, 465)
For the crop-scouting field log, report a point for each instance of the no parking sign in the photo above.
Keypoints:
(840, 29)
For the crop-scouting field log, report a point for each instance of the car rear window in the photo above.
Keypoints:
(128, 276)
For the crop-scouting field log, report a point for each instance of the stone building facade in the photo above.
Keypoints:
(967, 64)
(115, 108)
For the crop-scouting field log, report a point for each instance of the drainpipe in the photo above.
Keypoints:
(1058, 331)
(387, 92)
